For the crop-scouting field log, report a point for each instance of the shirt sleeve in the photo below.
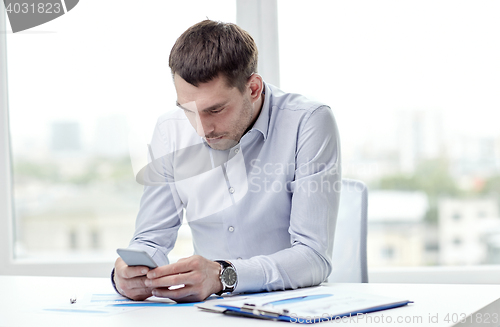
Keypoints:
(160, 213)
(315, 200)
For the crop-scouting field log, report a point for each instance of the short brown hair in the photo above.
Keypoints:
(210, 48)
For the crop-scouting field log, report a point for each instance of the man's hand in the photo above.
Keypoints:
(129, 281)
(200, 277)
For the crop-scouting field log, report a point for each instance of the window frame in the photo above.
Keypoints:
(267, 41)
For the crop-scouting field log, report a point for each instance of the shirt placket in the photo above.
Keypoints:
(230, 188)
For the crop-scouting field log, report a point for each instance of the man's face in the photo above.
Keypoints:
(220, 114)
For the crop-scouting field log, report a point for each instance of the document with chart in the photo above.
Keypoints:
(303, 305)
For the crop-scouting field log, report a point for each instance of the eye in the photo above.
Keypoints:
(217, 110)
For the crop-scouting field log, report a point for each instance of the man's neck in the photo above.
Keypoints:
(258, 104)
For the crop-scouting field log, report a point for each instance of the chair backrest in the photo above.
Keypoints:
(349, 245)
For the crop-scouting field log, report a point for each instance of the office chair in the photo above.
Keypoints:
(349, 248)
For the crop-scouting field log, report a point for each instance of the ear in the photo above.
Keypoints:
(255, 87)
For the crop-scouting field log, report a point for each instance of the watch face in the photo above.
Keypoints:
(229, 276)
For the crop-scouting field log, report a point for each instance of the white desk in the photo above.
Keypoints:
(21, 299)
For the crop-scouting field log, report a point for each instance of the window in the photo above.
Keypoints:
(413, 86)
(80, 87)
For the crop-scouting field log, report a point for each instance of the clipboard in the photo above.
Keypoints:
(303, 306)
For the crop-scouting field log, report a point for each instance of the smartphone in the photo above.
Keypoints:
(134, 257)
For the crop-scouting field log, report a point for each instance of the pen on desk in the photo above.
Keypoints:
(72, 300)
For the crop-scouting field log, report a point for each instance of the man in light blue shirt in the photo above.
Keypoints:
(256, 171)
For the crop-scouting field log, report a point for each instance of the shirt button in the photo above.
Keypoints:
(231, 229)
(239, 258)
(231, 190)
(236, 150)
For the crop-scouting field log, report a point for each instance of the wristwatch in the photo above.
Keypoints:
(228, 277)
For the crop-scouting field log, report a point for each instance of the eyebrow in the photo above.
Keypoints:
(215, 106)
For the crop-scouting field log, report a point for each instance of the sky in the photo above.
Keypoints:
(103, 58)
(370, 59)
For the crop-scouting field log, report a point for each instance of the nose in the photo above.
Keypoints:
(203, 126)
